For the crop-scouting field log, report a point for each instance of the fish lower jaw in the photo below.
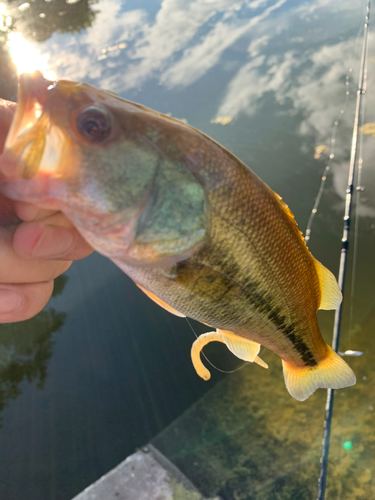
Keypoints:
(29, 191)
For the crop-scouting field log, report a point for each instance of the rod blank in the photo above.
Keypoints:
(344, 254)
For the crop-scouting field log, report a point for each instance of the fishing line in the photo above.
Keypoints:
(330, 158)
(332, 147)
(344, 253)
(209, 362)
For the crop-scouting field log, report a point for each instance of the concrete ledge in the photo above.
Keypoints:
(145, 475)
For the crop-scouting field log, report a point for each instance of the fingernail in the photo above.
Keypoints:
(54, 242)
(10, 301)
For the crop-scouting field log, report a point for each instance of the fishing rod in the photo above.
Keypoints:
(344, 254)
(330, 159)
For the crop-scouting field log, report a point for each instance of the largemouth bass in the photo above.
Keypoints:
(192, 225)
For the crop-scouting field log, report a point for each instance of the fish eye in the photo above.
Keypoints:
(94, 124)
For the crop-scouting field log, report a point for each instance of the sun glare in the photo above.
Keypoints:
(27, 58)
(5, 20)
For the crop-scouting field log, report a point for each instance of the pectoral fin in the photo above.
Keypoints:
(331, 295)
(240, 347)
(160, 302)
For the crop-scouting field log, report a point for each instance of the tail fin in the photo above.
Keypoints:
(331, 373)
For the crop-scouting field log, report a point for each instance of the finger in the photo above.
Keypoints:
(19, 302)
(7, 110)
(8, 216)
(17, 269)
(29, 212)
(54, 237)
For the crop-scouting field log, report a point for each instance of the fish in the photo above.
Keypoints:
(195, 228)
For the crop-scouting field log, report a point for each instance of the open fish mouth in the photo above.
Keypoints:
(33, 144)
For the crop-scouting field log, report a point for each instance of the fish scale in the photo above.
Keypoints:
(247, 263)
(190, 223)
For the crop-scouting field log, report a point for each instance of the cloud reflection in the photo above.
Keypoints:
(176, 24)
(184, 40)
(196, 61)
(79, 57)
(179, 46)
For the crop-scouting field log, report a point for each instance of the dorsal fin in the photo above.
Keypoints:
(284, 207)
(331, 295)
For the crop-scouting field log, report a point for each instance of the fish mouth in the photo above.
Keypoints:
(33, 143)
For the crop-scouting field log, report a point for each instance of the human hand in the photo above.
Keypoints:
(33, 252)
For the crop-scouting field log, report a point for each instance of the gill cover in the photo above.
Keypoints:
(98, 155)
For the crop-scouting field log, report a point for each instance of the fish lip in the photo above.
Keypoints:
(25, 146)
(32, 95)
(17, 191)
(34, 86)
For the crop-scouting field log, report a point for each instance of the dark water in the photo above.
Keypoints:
(103, 370)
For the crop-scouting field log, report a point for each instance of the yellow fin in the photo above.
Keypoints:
(160, 302)
(287, 210)
(240, 347)
(260, 362)
(284, 207)
(331, 295)
(331, 373)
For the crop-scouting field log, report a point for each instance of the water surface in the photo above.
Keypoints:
(103, 370)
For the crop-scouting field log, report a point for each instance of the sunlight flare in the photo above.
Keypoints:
(27, 58)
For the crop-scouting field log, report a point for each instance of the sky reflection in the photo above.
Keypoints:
(285, 49)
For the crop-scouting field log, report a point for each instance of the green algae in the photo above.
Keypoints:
(181, 493)
(247, 439)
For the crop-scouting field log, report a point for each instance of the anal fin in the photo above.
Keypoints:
(242, 348)
(259, 361)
